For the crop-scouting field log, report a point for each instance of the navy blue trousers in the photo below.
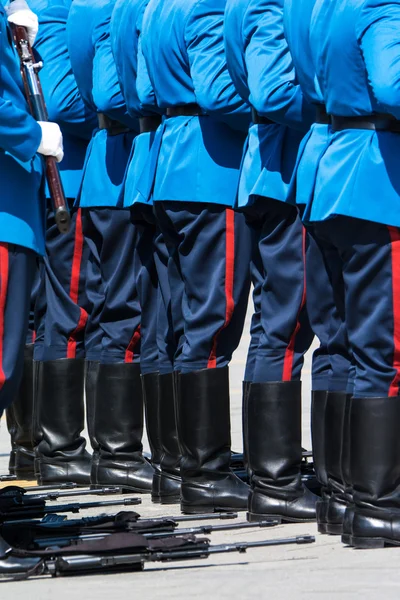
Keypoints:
(280, 326)
(326, 311)
(367, 256)
(62, 306)
(112, 239)
(210, 247)
(18, 266)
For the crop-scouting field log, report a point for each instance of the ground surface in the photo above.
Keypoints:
(322, 570)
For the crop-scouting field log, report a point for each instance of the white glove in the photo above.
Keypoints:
(52, 141)
(19, 13)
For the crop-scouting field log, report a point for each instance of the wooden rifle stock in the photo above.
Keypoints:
(37, 105)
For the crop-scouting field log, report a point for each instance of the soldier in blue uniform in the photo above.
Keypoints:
(117, 427)
(22, 203)
(261, 68)
(330, 409)
(355, 208)
(195, 161)
(151, 256)
(61, 306)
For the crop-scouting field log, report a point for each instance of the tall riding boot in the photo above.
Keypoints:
(318, 419)
(19, 415)
(245, 425)
(12, 427)
(346, 475)
(334, 435)
(150, 390)
(375, 461)
(59, 421)
(91, 375)
(275, 454)
(208, 484)
(169, 478)
(118, 429)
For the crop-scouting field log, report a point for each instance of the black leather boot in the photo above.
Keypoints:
(169, 477)
(346, 476)
(335, 441)
(275, 454)
(208, 484)
(19, 421)
(245, 427)
(118, 429)
(150, 390)
(91, 374)
(318, 418)
(59, 421)
(375, 460)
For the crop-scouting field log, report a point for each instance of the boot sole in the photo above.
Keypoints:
(254, 518)
(334, 528)
(200, 510)
(170, 500)
(366, 543)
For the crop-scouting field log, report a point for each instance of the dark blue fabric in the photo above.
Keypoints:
(256, 326)
(21, 272)
(195, 235)
(362, 253)
(60, 322)
(279, 258)
(112, 239)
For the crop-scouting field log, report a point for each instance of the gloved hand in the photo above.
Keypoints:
(52, 141)
(19, 13)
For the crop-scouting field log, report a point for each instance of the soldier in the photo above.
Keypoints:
(61, 309)
(261, 68)
(151, 256)
(197, 156)
(21, 233)
(330, 410)
(354, 208)
(117, 426)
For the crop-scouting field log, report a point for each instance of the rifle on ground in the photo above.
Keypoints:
(34, 96)
(120, 552)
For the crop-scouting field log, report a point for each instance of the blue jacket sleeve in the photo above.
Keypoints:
(213, 86)
(274, 92)
(378, 32)
(20, 134)
(107, 93)
(64, 101)
(144, 87)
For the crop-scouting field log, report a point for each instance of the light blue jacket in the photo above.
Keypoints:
(194, 159)
(64, 102)
(22, 203)
(261, 67)
(126, 27)
(356, 52)
(297, 17)
(89, 44)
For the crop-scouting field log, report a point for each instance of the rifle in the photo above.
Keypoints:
(34, 96)
(119, 553)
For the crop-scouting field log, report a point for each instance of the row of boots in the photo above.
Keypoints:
(188, 425)
(356, 447)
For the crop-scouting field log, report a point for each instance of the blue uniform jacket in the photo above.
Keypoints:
(64, 102)
(126, 26)
(193, 158)
(22, 203)
(89, 44)
(356, 52)
(261, 67)
(297, 17)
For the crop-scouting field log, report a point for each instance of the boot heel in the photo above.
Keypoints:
(368, 543)
(334, 529)
(198, 510)
(255, 518)
(322, 528)
(170, 500)
(347, 539)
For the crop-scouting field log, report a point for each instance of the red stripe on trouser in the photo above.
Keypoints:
(74, 285)
(229, 282)
(129, 354)
(395, 239)
(289, 354)
(4, 270)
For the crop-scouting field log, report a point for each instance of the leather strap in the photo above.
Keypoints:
(377, 122)
(258, 119)
(113, 127)
(321, 116)
(148, 124)
(185, 110)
